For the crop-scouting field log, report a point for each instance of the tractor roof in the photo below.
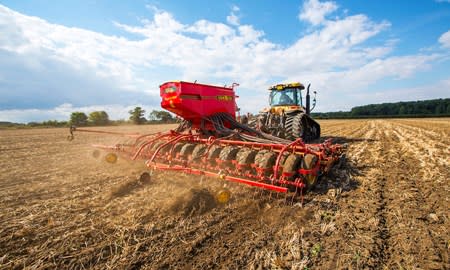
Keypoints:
(283, 86)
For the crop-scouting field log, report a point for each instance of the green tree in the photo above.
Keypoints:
(161, 116)
(78, 119)
(99, 118)
(137, 115)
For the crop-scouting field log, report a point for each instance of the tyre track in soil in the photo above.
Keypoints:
(431, 190)
(227, 238)
(361, 235)
(384, 224)
(406, 239)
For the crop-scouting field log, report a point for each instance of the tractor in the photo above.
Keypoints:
(287, 117)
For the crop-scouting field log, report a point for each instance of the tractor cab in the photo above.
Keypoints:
(286, 96)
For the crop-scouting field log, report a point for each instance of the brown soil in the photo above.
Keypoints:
(385, 207)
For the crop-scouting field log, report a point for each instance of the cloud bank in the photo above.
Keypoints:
(44, 66)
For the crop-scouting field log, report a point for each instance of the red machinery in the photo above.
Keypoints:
(211, 142)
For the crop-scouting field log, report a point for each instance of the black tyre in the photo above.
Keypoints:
(266, 161)
(298, 127)
(294, 126)
(291, 165)
(309, 162)
(214, 153)
(177, 149)
(246, 156)
(288, 127)
(156, 145)
(199, 151)
(187, 149)
(228, 154)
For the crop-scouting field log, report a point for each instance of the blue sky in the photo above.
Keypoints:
(61, 56)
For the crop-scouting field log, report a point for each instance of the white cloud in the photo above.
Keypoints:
(233, 19)
(314, 11)
(85, 68)
(444, 39)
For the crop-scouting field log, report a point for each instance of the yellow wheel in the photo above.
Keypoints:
(111, 158)
(223, 196)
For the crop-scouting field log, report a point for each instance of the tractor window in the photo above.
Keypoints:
(288, 96)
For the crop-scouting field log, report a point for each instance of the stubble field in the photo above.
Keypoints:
(386, 207)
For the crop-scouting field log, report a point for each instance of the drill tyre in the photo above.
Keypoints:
(199, 151)
(309, 162)
(187, 149)
(291, 165)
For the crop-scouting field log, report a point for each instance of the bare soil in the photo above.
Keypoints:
(386, 206)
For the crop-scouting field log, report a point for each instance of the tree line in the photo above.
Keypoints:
(424, 108)
(100, 118)
(137, 116)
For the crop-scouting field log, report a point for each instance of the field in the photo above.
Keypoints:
(386, 207)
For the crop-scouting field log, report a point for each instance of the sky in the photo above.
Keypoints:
(57, 57)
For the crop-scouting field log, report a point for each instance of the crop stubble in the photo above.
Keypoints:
(386, 206)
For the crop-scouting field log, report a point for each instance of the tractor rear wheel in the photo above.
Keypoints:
(294, 126)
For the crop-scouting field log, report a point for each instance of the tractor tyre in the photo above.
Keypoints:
(309, 161)
(288, 127)
(298, 127)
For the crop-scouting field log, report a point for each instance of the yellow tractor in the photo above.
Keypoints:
(287, 117)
